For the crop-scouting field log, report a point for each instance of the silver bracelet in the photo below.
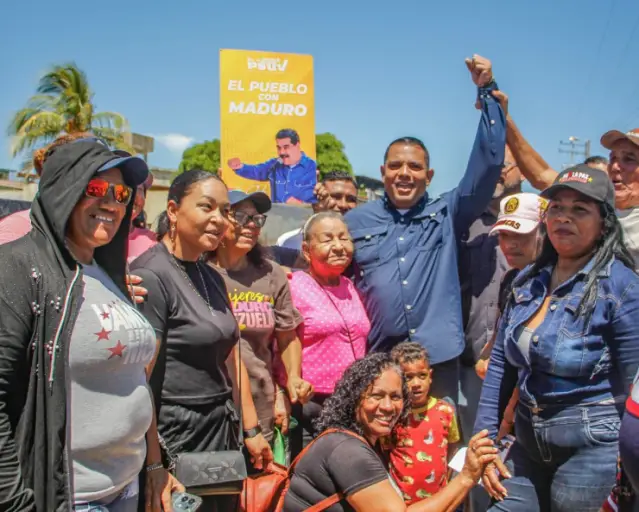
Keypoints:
(154, 467)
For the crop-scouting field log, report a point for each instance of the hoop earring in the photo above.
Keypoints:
(172, 235)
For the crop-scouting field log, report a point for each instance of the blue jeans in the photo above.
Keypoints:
(125, 501)
(564, 459)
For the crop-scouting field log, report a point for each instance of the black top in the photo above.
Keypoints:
(335, 463)
(197, 341)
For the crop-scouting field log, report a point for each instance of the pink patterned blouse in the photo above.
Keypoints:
(334, 331)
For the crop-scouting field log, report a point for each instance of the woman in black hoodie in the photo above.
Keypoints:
(74, 352)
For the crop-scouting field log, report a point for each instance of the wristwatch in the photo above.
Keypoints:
(252, 432)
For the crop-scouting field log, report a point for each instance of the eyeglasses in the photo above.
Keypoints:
(243, 219)
(100, 188)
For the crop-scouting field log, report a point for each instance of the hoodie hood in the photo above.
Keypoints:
(65, 176)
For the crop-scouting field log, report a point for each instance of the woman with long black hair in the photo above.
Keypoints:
(568, 341)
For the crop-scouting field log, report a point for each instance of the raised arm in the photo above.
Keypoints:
(258, 172)
(534, 168)
(477, 186)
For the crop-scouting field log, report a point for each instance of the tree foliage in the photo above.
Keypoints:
(63, 104)
(205, 156)
(330, 154)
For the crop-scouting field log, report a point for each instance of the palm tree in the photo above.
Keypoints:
(63, 104)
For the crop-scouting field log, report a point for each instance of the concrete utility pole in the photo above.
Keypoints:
(576, 148)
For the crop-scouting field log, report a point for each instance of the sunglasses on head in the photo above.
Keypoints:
(99, 188)
(243, 219)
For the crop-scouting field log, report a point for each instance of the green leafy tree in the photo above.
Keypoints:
(63, 104)
(205, 156)
(330, 154)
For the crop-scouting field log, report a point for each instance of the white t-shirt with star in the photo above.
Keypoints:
(109, 406)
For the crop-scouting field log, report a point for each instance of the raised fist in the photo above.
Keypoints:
(235, 163)
(481, 70)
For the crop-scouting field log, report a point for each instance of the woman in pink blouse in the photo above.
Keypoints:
(335, 324)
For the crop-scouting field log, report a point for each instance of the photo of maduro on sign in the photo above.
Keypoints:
(268, 124)
(292, 175)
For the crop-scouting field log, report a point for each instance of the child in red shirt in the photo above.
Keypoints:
(420, 451)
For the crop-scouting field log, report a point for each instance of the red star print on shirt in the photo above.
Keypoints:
(105, 315)
(117, 350)
(103, 334)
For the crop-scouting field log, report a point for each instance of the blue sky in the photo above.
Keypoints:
(382, 70)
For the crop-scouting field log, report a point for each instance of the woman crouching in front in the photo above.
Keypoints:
(344, 467)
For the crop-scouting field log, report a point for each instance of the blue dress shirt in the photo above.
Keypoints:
(405, 264)
(297, 181)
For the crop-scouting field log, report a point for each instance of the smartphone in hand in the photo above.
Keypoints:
(185, 502)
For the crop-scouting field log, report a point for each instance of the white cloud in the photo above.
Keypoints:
(175, 142)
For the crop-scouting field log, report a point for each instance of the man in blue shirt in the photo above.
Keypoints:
(405, 259)
(292, 174)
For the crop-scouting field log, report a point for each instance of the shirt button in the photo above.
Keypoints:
(492, 121)
(405, 283)
(553, 307)
(535, 339)
(412, 331)
(401, 238)
(402, 259)
(368, 237)
(361, 272)
(408, 307)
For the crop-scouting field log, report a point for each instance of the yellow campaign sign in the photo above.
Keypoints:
(267, 123)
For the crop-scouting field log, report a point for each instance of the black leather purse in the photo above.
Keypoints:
(208, 473)
(211, 473)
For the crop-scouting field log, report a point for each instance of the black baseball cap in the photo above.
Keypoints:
(590, 182)
(260, 200)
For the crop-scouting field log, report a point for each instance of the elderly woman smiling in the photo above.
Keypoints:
(335, 323)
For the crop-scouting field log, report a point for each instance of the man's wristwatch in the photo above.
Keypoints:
(252, 432)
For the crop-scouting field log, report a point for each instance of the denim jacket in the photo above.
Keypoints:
(572, 359)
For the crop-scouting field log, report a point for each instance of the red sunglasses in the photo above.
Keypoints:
(100, 188)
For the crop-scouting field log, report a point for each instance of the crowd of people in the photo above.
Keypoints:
(377, 339)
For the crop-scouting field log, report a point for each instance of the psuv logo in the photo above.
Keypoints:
(267, 64)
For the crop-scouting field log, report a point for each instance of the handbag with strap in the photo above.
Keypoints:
(266, 492)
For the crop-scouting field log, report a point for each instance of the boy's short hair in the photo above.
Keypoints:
(409, 352)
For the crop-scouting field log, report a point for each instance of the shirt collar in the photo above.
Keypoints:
(412, 212)
(302, 161)
(545, 274)
(603, 272)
